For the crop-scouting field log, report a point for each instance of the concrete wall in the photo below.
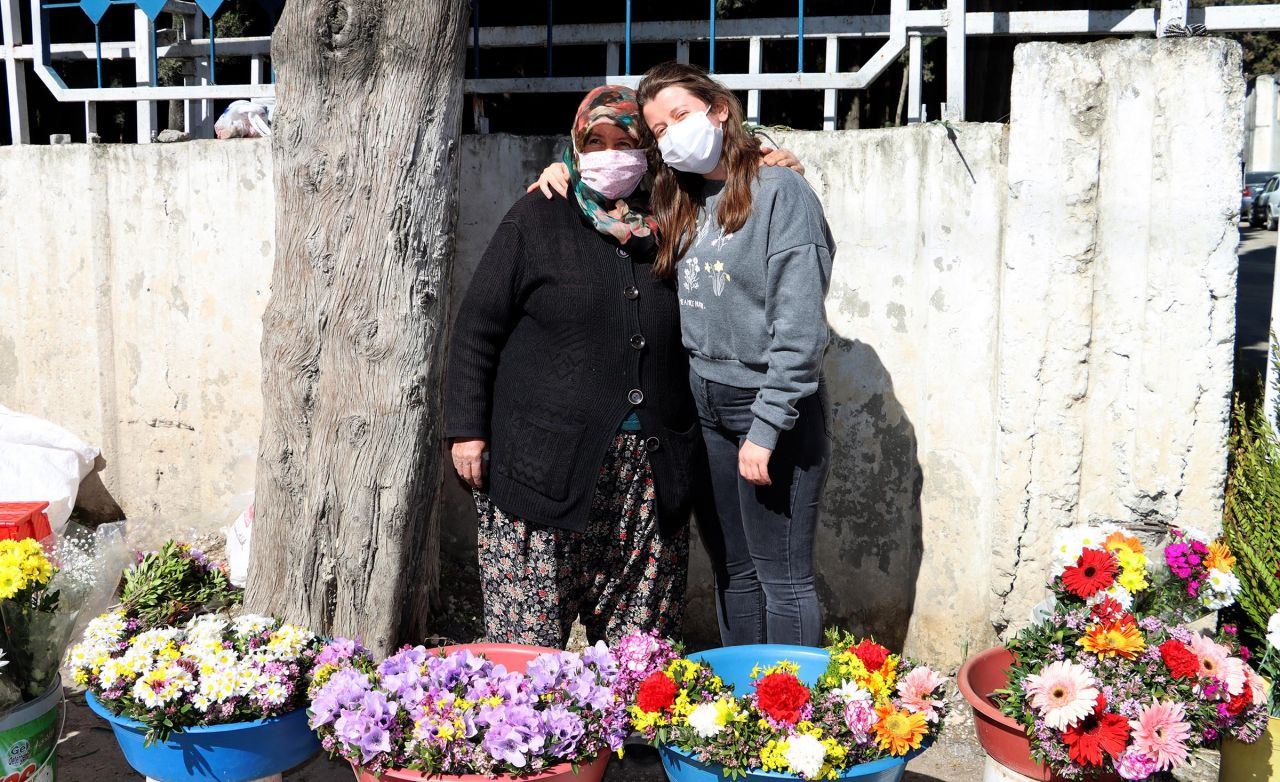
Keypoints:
(133, 280)
(1032, 324)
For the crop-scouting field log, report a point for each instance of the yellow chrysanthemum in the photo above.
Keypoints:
(643, 720)
(1119, 639)
(773, 756)
(1219, 557)
(10, 583)
(1133, 570)
(899, 731)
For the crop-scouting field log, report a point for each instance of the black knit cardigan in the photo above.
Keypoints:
(563, 332)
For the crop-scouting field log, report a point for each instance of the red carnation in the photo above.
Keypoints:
(656, 693)
(1239, 703)
(1106, 610)
(781, 696)
(1093, 572)
(1180, 660)
(1087, 740)
(871, 654)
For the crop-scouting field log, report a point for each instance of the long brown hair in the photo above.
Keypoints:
(676, 195)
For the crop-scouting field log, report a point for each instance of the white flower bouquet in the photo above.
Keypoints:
(214, 670)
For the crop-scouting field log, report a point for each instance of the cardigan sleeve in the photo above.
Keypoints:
(485, 320)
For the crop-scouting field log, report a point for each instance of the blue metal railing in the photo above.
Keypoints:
(800, 38)
(711, 42)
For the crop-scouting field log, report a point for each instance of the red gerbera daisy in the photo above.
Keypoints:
(1093, 572)
(656, 693)
(1092, 736)
(871, 654)
(1181, 661)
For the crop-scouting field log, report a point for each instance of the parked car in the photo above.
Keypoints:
(1254, 181)
(1265, 209)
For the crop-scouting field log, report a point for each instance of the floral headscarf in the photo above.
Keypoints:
(617, 106)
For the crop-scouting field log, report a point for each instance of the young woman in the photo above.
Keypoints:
(751, 252)
(567, 375)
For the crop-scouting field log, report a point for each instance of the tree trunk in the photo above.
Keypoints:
(900, 116)
(365, 145)
(853, 120)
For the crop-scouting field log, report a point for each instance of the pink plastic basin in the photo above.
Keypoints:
(514, 657)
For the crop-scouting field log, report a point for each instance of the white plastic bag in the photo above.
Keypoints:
(238, 535)
(41, 461)
(244, 119)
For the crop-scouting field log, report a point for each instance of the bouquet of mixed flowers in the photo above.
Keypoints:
(1106, 681)
(1193, 573)
(460, 713)
(214, 670)
(868, 704)
(42, 592)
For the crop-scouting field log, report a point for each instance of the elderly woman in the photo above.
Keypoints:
(568, 406)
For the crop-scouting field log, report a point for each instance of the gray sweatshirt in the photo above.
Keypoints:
(752, 302)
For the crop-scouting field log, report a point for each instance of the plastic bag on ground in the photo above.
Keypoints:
(41, 461)
(244, 119)
(238, 535)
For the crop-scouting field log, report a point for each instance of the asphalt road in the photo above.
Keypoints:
(1253, 301)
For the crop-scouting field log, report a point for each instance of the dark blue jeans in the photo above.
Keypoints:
(760, 538)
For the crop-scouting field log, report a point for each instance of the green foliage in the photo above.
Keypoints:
(1251, 523)
(173, 584)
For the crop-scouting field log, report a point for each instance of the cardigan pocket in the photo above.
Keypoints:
(542, 455)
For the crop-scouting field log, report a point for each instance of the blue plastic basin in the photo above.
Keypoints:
(236, 752)
(733, 664)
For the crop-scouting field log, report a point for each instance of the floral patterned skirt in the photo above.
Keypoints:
(621, 574)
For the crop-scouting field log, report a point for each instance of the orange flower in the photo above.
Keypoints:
(1115, 639)
(1220, 557)
(1118, 540)
(898, 730)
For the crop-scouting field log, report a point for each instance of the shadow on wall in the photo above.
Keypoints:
(870, 543)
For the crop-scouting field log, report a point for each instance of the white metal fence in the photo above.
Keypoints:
(902, 30)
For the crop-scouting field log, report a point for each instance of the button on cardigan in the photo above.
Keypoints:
(562, 334)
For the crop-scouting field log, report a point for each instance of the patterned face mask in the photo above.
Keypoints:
(616, 106)
(613, 173)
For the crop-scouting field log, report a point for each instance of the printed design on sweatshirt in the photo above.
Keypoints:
(689, 277)
(704, 232)
(718, 276)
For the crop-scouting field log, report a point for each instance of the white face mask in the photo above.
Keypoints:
(613, 173)
(692, 144)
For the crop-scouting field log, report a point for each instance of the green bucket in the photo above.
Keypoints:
(29, 738)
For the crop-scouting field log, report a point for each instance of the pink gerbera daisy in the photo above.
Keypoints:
(1063, 692)
(1212, 656)
(1160, 732)
(1217, 664)
(916, 689)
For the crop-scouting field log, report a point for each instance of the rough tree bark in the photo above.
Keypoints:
(365, 149)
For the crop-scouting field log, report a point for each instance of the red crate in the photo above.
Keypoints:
(19, 520)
